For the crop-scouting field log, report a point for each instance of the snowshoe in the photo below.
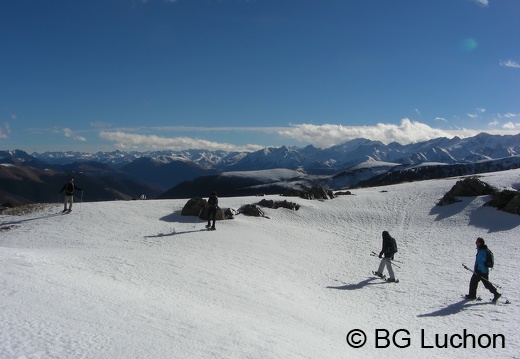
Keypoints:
(377, 274)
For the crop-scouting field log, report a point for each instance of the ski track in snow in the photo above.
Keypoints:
(135, 279)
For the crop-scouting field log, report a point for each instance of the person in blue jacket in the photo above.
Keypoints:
(481, 273)
(69, 189)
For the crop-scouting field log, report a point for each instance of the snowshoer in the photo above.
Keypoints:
(481, 272)
(212, 209)
(69, 189)
(388, 251)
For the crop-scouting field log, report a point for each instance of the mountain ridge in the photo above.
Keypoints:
(341, 166)
(312, 159)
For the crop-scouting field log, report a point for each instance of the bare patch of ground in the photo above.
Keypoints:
(25, 209)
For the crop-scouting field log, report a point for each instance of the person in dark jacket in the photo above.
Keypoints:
(388, 251)
(481, 273)
(69, 189)
(212, 209)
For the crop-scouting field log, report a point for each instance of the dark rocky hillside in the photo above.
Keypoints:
(225, 187)
(163, 175)
(440, 171)
(21, 185)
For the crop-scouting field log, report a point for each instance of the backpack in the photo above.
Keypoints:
(213, 201)
(490, 259)
(393, 245)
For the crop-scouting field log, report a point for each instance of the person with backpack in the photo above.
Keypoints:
(212, 209)
(483, 261)
(69, 189)
(388, 251)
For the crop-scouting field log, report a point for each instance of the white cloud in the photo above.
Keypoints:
(510, 63)
(440, 119)
(478, 112)
(322, 136)
(510, 126)
(512, 115)
(5, 131)
(328, 135)
(69, 133)
(483, 3)
(125, 140)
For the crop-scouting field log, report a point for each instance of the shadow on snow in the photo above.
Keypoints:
(454, 308)
(363, 283)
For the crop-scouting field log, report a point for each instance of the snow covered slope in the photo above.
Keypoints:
(135, 279)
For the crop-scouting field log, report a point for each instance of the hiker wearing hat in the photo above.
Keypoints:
(212, 209)
(483, 261)
(69, 188)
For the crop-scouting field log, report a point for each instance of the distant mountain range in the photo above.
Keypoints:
(183, 174)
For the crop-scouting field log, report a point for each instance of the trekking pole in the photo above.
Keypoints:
(81, 201)
(198, 217)
(393, 260)
(472, 271)
(386, 259)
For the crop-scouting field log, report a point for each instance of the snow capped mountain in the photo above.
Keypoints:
(318, 161)
(350, 164)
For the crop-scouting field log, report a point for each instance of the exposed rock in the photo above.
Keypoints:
(448, 198)
(25, 209)
(277, 204)
(8, 228)
(319, 192)
(506, 200)
(468, 187)
(471, 186)
(196, 206)
(513, 206)
(251, 210)
(230, 213)
(315, 192)
(193, 207)
(205, 214)
(343, 193)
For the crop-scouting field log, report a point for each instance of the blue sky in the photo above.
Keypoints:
(97, 75)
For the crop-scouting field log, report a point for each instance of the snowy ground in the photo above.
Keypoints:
(138, 280)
